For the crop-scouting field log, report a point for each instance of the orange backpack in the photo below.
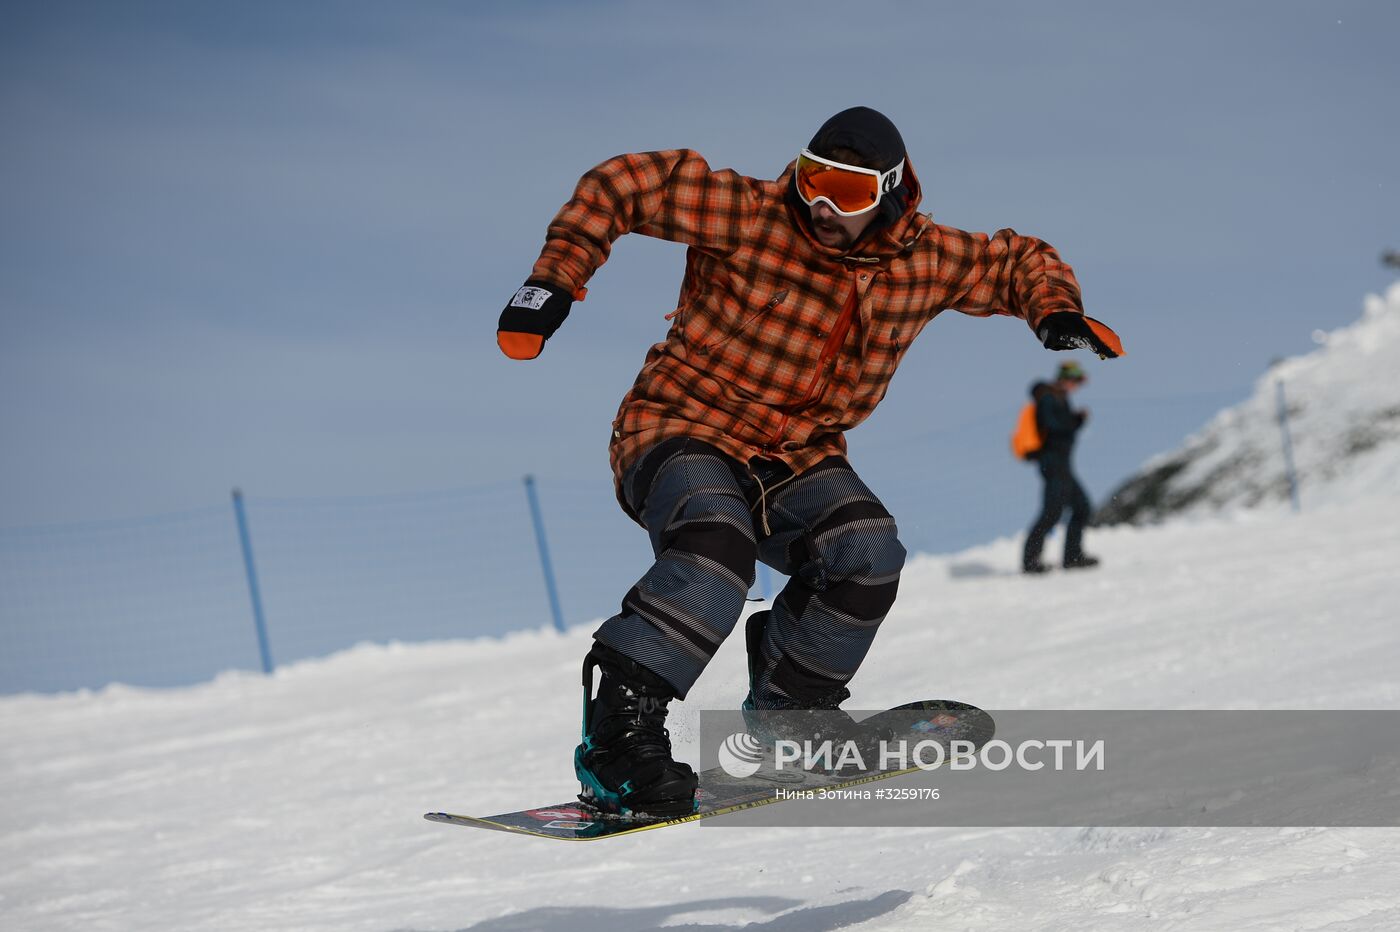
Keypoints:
(1026, 439)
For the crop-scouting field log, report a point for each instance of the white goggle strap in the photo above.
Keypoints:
(890, 180)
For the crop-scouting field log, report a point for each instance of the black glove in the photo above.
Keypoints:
(1066, 330)
(531, 317)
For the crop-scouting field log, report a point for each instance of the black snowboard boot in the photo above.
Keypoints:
(815, 718)
(755, 701)
(624, 762)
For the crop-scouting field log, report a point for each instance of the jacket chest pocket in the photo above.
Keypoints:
(883, 351)
(713, 321)
(885, 348)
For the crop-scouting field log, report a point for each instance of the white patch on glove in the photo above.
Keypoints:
(531, 297)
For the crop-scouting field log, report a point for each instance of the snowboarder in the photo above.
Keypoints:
(800, 297)
(1058, 425)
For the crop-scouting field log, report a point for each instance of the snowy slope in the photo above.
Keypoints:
(294, 802)
(1343, 401)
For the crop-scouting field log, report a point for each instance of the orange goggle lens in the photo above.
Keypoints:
(849, 190)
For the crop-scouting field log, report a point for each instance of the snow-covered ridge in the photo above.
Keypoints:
(1343, 403)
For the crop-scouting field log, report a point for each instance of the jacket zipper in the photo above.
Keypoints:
(834, 341)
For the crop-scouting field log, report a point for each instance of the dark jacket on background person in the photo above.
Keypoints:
(1058, 422)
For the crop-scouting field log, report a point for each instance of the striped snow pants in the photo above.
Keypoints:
(710, 517)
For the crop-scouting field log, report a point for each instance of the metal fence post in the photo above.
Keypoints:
(544, 553)
(247, 541)
(1287, 446)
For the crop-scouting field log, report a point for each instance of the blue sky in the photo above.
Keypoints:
(266, 244)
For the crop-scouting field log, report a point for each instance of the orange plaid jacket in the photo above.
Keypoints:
(749, 363)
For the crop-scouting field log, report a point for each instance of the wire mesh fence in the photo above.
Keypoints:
(165, 600)
(153, 600)
(161, 601)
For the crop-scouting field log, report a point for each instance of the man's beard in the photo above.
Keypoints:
(840, 239)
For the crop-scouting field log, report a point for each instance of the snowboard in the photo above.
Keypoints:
(720, 793)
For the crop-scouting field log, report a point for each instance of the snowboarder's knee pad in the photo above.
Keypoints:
(866, 553)
(720, 538)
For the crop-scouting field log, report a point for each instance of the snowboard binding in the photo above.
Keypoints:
(624, 762)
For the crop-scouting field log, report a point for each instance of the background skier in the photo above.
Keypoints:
(1059, 424)
(801, 295)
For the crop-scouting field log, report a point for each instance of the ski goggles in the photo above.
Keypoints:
(847, 189)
